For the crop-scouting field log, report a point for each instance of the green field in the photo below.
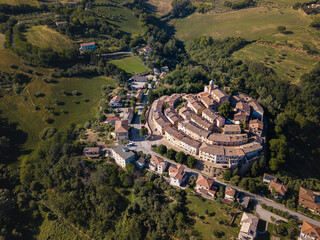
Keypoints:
(130, 64)
(125, 19)
(75, 107)
(206, 226)
(292, 65)
(251, 23)
(45, 37)
(77, 110)
(17, 2)
(161, 7)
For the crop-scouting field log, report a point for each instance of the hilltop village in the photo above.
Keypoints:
(198, 129)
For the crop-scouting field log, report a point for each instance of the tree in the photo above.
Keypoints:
(218, 234)
(227, 175)
(225, 109)
(191, 161)
(255, 169)
(162, 149)
(281, 29)
(171, 154)
(181, 157)
(235, 180)
(143, 132)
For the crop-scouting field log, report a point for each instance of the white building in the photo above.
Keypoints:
(122, 155)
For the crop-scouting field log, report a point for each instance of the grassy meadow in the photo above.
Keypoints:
(45, 37)
(126, 21)
(71, 108)
(287, 64)
(17, 2)
(206, 225)
(160, 7)
(130, 64)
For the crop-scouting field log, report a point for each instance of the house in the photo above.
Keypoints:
(213, 117)
(116, 101)
(204, 185)
(139, 78)
(73, 4)
(122, 155)
(147, 49)
(201, 122)
(60, 24)
(185, 112)
(257, 110)
(157, 164)
(177, 175)
(193, 130)
(156, 71)
(278, 190)
(206, 100)
(127, 114)
(161, 122)
(92, 152)
(141, 163)
(111, 120)
(227, 139)
(256, 127)
(242, 110)
(267, 178)
(232, 129)
(249, 225)
(245, 202)
(139, 95)
(87, 46)
(121, 130)
(308, 199)
(230, 193)
(309, 231)
(162, 75)
(165, 69)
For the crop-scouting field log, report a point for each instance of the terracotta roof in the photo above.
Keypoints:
(201, 121)
(251, 147)
(115, 99)
(205, 181)
(156, 160)
(256, 123)
(194, 128)
(112, 118)
(121, 126)
(87, 44)
(243, 106)
(230, 191)
(227, 138)
(311, 230)
(232, 128)
(279, 188)
(219, 93)
(256, 106)
(177, 171)
(308, 199)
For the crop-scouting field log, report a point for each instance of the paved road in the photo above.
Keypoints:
(145, 146)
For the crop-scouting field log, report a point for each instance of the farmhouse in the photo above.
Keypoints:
(87, 46)
(121, 130)
(308, 199)
(122, 155)
(116, 102)
(249, 225)
(147, 49)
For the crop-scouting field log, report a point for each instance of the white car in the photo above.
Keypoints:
(130, 144)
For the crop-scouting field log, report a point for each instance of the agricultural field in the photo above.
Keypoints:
(2, 39)
(45, 37)
(123, 17)
(205, 224)
(287, 64)
(130, 64)
(160, 7)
